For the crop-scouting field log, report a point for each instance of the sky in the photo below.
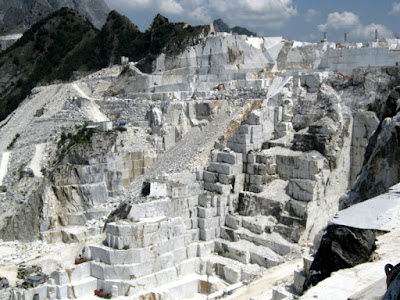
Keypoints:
(302, 20)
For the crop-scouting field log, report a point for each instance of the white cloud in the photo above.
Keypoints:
(368, 32)
(171, 7)
(200, 14)
(350, 23)
(336, 21)
(256, 15)
(123, 5)
(168, 7)
(395, 9)
(311, 13)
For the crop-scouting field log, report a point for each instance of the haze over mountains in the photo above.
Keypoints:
(16, 16)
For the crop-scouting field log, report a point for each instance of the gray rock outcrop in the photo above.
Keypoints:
(380, 169)
(341, 247)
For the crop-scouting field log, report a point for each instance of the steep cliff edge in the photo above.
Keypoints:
(380, 168)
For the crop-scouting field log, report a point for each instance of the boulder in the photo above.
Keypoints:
(341, 247)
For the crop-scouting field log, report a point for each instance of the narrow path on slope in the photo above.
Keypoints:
(4, 165)
(93, 111)
(35, 163)
(80, 92)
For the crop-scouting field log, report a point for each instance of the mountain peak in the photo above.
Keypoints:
(221, 26)
(20, 15)
(158, 21)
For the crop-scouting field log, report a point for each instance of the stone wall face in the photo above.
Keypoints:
(102, 176)
(346, 60)
(364, 126)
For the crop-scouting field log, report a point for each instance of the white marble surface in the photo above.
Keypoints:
(381, 212)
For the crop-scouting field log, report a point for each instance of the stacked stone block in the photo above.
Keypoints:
(231, 270)
(305, 173)
(260, 170)
(145, 254)
(282, 117)
(159, 243)
(212, 211)
(301, 274)
(272, 215)
(122, 169)
(252, 133)
(283, 128)
(224, 175)
(252, 240)
(125, 235)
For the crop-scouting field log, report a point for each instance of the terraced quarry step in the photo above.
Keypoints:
(246, 252)
(80, 218)
(128, 272)
(232, 270)
(183, 288)
(273, 240)
(70, 234)
(154, 280)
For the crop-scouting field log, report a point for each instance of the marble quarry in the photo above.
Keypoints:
(229, 160)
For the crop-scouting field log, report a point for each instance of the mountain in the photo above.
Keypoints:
(17, 16)
(106, 47)
(221, 26)
(65, 43)
(39, 56)
(119, 37)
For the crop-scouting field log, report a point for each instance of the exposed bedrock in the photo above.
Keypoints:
(26, 220)
(380, 168)
(341, 247)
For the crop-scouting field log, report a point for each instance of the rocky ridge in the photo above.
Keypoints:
(65, 46)
(221, 26)
(20, 15)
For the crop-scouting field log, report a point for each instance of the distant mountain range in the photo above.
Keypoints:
(221, 26)
(17, 16)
